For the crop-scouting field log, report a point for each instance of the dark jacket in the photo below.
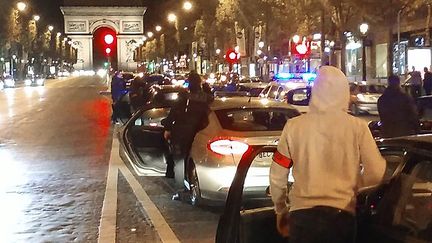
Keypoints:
(187, 118)
(118, 88)
(398, 114)
(427, 82)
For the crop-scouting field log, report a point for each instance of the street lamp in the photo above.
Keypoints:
(158, 28)
(21, 6)
(59, 34)
(150, 34)
(36, 18)
(363, 30)
(172, 17)
(218, 51)
(50, 28)
(187, 6)
(261, 44)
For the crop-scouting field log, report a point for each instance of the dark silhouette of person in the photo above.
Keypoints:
(188, 116)
(397, 111)
(118, 90)
(427, 81)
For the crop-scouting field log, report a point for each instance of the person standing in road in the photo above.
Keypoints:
(185, 119)
(415, 83)
(118, 90)
(332, 155)
(427, 81)
(397, 111)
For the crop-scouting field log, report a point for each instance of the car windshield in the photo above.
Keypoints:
(254, 119)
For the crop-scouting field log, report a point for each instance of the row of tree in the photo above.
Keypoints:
(215, 23)
(25, 39)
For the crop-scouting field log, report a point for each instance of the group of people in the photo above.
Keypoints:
(417, 85)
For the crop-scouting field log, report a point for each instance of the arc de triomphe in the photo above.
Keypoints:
(81, 22)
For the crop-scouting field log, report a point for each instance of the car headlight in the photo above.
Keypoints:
(40, 81)
(10, 82)
(27, 82)
(361, 98)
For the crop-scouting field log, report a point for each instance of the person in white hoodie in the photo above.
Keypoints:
(332, 155)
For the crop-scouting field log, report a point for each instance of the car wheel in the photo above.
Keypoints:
(195, 191)
(354, 110)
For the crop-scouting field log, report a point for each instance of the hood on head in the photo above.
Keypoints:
(330, 91)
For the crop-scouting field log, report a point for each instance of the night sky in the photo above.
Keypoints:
(50, 13)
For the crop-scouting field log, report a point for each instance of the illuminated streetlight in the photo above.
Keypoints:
(259, 52)
(50, 28)
(158, 28)
(172, 17)
(218, 51)
(21, 6)
(59, 34)
(261, 44)
(150, 34)
(36, 18)
(187, 5)
(364, 28)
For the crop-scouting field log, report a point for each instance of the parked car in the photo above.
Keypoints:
(34, 80)
(253, 86)
(397, 210)
(234, 124)
(297, 94)
(364, 98)
(9, 82)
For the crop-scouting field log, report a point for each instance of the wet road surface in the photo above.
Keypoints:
(62, 179)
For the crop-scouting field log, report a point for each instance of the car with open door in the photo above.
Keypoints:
(234, 124)
(397, 210)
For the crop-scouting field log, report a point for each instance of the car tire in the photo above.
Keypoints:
(195, 191)
(354, 110)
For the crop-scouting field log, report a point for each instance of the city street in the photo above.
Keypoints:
(55, 149)
(56, 146)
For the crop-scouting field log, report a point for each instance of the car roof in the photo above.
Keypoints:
(423, 142)
(168, 88)
(247, 102)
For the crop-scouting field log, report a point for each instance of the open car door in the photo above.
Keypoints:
(253, 223)
(142, 144)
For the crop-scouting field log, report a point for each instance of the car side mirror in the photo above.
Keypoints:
(299, 97)
(268, 194)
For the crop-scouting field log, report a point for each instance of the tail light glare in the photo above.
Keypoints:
(227, 146)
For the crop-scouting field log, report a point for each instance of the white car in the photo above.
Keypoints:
(279, 90)
(234, 124)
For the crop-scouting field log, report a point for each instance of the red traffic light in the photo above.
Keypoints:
(232, 56)
(109, 39)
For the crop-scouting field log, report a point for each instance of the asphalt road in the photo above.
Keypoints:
(62, 179)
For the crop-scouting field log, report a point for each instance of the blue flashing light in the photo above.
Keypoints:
(309, 76)
(186, 84)
(284, 75)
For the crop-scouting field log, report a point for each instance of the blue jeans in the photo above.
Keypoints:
(322, 224)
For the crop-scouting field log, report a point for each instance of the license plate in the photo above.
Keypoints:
(263, 155)
(263, 159)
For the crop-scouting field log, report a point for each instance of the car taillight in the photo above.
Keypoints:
(226, 146)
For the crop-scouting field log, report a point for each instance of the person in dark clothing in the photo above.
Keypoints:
(185, 119)
(415, 83)
(397, 111)
(118, 90)
(427, 81)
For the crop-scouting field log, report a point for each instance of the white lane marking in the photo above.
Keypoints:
(108, 221)
(164, 231)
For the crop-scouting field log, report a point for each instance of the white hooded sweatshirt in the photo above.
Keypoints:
(327, 148)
